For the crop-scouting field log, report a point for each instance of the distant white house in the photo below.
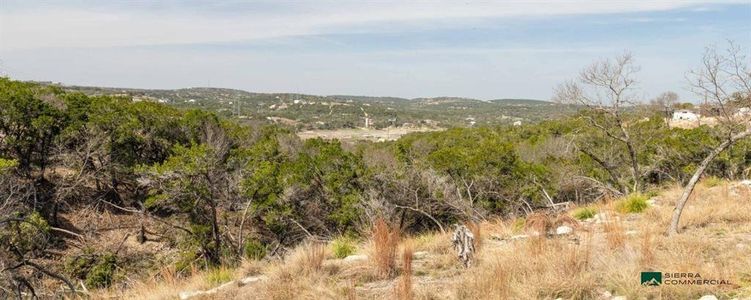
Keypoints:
(685, 115)
(743, 112)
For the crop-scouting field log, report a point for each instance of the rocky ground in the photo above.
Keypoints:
(597, 258)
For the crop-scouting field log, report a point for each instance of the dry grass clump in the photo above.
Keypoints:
(476, 231)
(615, 234)
(313, 259)
(647, 257)
(301, 275)
(434, 242)
(540, 223)
(492, 281)
(384, 242)
(308, 258)
(349, 290)
(558, 269)
(404, 284)
(725, 204)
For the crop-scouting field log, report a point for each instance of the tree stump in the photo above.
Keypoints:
(464, 244)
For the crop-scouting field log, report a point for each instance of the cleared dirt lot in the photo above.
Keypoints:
(359, 134)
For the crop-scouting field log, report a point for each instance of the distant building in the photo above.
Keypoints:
(517, 123)
(368, 122)
(685, 115)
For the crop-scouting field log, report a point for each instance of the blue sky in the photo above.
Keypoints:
(485, 50)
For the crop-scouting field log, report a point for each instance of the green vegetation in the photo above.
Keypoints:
(254, 249)
(304, 112)
(7, 165)
(30, 235)
(343, 246)
(215, 190)
(102, 273)
(217, 276)
(713, 181)
(518, 225)
(584, 213)
(96, 270)
(634, 203)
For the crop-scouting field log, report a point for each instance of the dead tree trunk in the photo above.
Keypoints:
(697, 175)
(464, 244)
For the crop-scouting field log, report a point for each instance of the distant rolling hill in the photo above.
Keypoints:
(310, 112)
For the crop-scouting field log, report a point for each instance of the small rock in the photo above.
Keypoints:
(653, 201)
(601, 217)
(708, 297)
(631, 232)
(605, 295)
(356, 257)
(185, 295)
(251, 279)
(420, 254)
(561, 230)
(740, 245)
(619, 298)
(518, 237)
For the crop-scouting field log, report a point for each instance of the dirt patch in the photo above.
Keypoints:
(363, 134)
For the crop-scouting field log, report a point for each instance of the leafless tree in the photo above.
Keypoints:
(724, 79)
(665, 103)
(606, 88)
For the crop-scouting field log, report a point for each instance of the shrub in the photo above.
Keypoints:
(584, 213)
(712, 181)
(254, 249)
(32, 234)
(217, 276)
(634, 203)
(7, 164)
(101, 274)
(79, 266)
(652, 193)
(343, 247)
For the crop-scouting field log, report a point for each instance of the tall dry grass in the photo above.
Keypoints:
(476, 231)
(647, 255)
(615, 233)
(384, 242)
(404, 284)
(312, 258)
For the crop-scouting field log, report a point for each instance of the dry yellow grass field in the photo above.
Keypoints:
(599, 260)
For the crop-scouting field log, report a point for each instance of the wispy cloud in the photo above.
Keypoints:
(29, 25)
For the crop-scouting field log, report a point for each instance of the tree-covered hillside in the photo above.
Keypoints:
(308, 112)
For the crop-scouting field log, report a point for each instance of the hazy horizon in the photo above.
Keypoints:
(398, 49)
